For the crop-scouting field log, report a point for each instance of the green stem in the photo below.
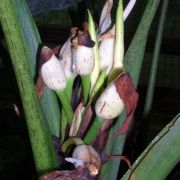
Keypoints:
(93, 130)
(66, 105)
(64, 120)
(99, 84)
(43, 150)
(69, 143)
(63, 125)
(69, 88)
(86, 84)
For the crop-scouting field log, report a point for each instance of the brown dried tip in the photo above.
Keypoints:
(108, 35)
(45, 55)
(79, 173)
(129, 95)
(84, 39)
(56, 49)
(101, 139)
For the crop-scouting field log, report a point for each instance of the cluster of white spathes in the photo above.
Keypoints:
(76, 58)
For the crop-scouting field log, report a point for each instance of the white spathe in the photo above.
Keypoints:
(109, 105)
(83, 60)
(66, 59)
(106, 48)
(53, 75)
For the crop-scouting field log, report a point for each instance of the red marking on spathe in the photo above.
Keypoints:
(102, 107)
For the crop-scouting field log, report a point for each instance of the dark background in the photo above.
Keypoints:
(16, 161)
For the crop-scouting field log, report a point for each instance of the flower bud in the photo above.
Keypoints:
(109, 105)
(83, 56)
(106, 50)
(51, 71)
(65, 57)
(90, 156)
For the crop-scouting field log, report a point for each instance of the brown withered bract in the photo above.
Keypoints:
(79, 173)
(101, 139)
(81, 38)
(84, 39)
(45, 55)
(129, 95)
(85, 122)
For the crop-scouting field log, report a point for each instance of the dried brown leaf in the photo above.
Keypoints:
(85, 122)
(76, 174)
(129, 95)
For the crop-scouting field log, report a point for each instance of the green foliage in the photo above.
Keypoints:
(158, 159)
(41, 141)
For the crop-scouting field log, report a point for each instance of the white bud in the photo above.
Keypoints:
(53, 75)
(66, 56)
(106, 48)
(83, 60)
(109, 105)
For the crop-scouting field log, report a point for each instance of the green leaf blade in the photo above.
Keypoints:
(158, 159)
(43, 150)
(32, 42)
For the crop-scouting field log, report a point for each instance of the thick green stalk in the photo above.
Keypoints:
(64, 121)
(42, 147)
(93, 130)
(32, 41)
(133, 62)
(66, 105)
(98, 86)
(160, 157)
(152, 80)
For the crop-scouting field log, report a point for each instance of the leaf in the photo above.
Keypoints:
(32, 41)
(41, 142)
(133, 62)
(159, 158)
(77, 119)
